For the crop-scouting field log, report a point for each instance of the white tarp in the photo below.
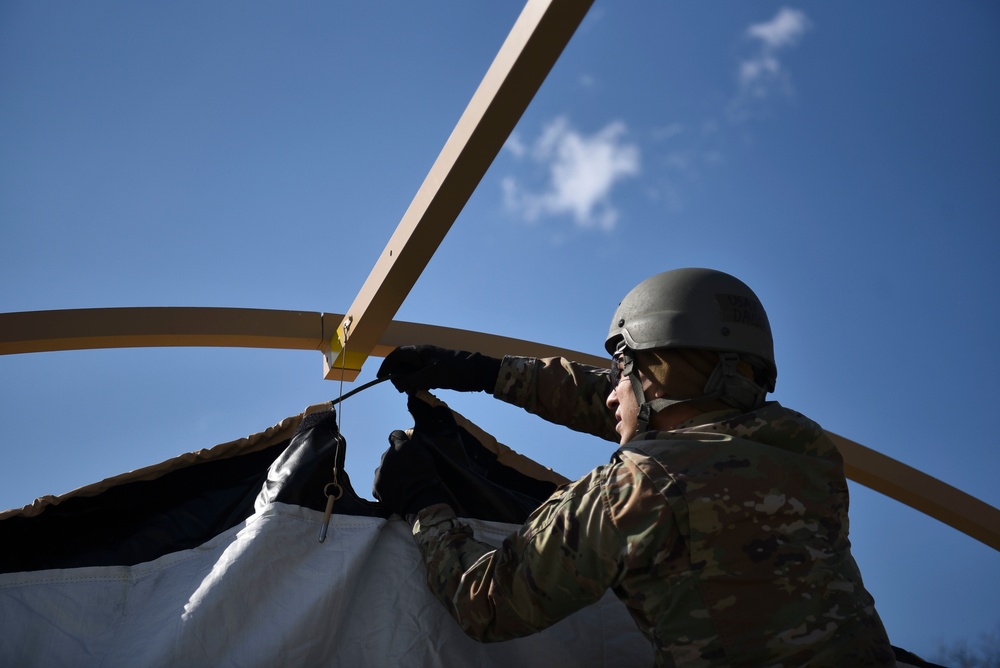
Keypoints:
(267, 593)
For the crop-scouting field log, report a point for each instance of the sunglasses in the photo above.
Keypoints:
(621, 365)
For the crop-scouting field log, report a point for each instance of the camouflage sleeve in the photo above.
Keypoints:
(562, 559)
(560, 391)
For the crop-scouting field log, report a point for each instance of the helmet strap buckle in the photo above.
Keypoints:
(733, 387)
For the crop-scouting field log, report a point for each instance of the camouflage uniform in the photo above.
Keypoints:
(726, 538)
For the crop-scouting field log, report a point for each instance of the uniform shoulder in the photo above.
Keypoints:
(772, 425)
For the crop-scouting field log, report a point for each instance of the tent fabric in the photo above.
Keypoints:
(214, 560)
(266, 592)
(281, 432)
(180, 503)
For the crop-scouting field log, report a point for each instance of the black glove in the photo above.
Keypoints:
(437, 424)
(406, 481)
(414, 368)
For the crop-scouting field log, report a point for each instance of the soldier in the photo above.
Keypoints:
(721, 521)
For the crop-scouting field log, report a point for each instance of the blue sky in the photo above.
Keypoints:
(841, 158)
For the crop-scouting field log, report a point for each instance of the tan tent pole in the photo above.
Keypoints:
(78, 329)
(147, 327)
(156, 326)
(537, 39)
(920, 491)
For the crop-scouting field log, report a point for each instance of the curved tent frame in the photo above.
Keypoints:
(535, 42)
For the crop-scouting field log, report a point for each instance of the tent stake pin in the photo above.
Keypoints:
(330, 498)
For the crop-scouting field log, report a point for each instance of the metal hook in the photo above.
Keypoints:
(330, 498)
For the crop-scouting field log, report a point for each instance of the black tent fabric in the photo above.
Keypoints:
(190, 502)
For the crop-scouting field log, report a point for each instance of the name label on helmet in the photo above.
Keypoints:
(742, 309)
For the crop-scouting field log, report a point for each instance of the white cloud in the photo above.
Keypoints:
(764, 67)
(785, 29)
(582, 171)
(762, 73)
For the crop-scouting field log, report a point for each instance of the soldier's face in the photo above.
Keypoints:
(622, 402)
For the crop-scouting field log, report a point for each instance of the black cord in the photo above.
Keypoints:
(382, 380)
(359, 389)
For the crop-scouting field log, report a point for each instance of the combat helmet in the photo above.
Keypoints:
(701, 309)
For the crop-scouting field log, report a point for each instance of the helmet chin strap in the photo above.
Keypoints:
(726, 384)
(649, 409)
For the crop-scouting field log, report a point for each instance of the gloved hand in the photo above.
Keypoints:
(416, 368)
(406, 481)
